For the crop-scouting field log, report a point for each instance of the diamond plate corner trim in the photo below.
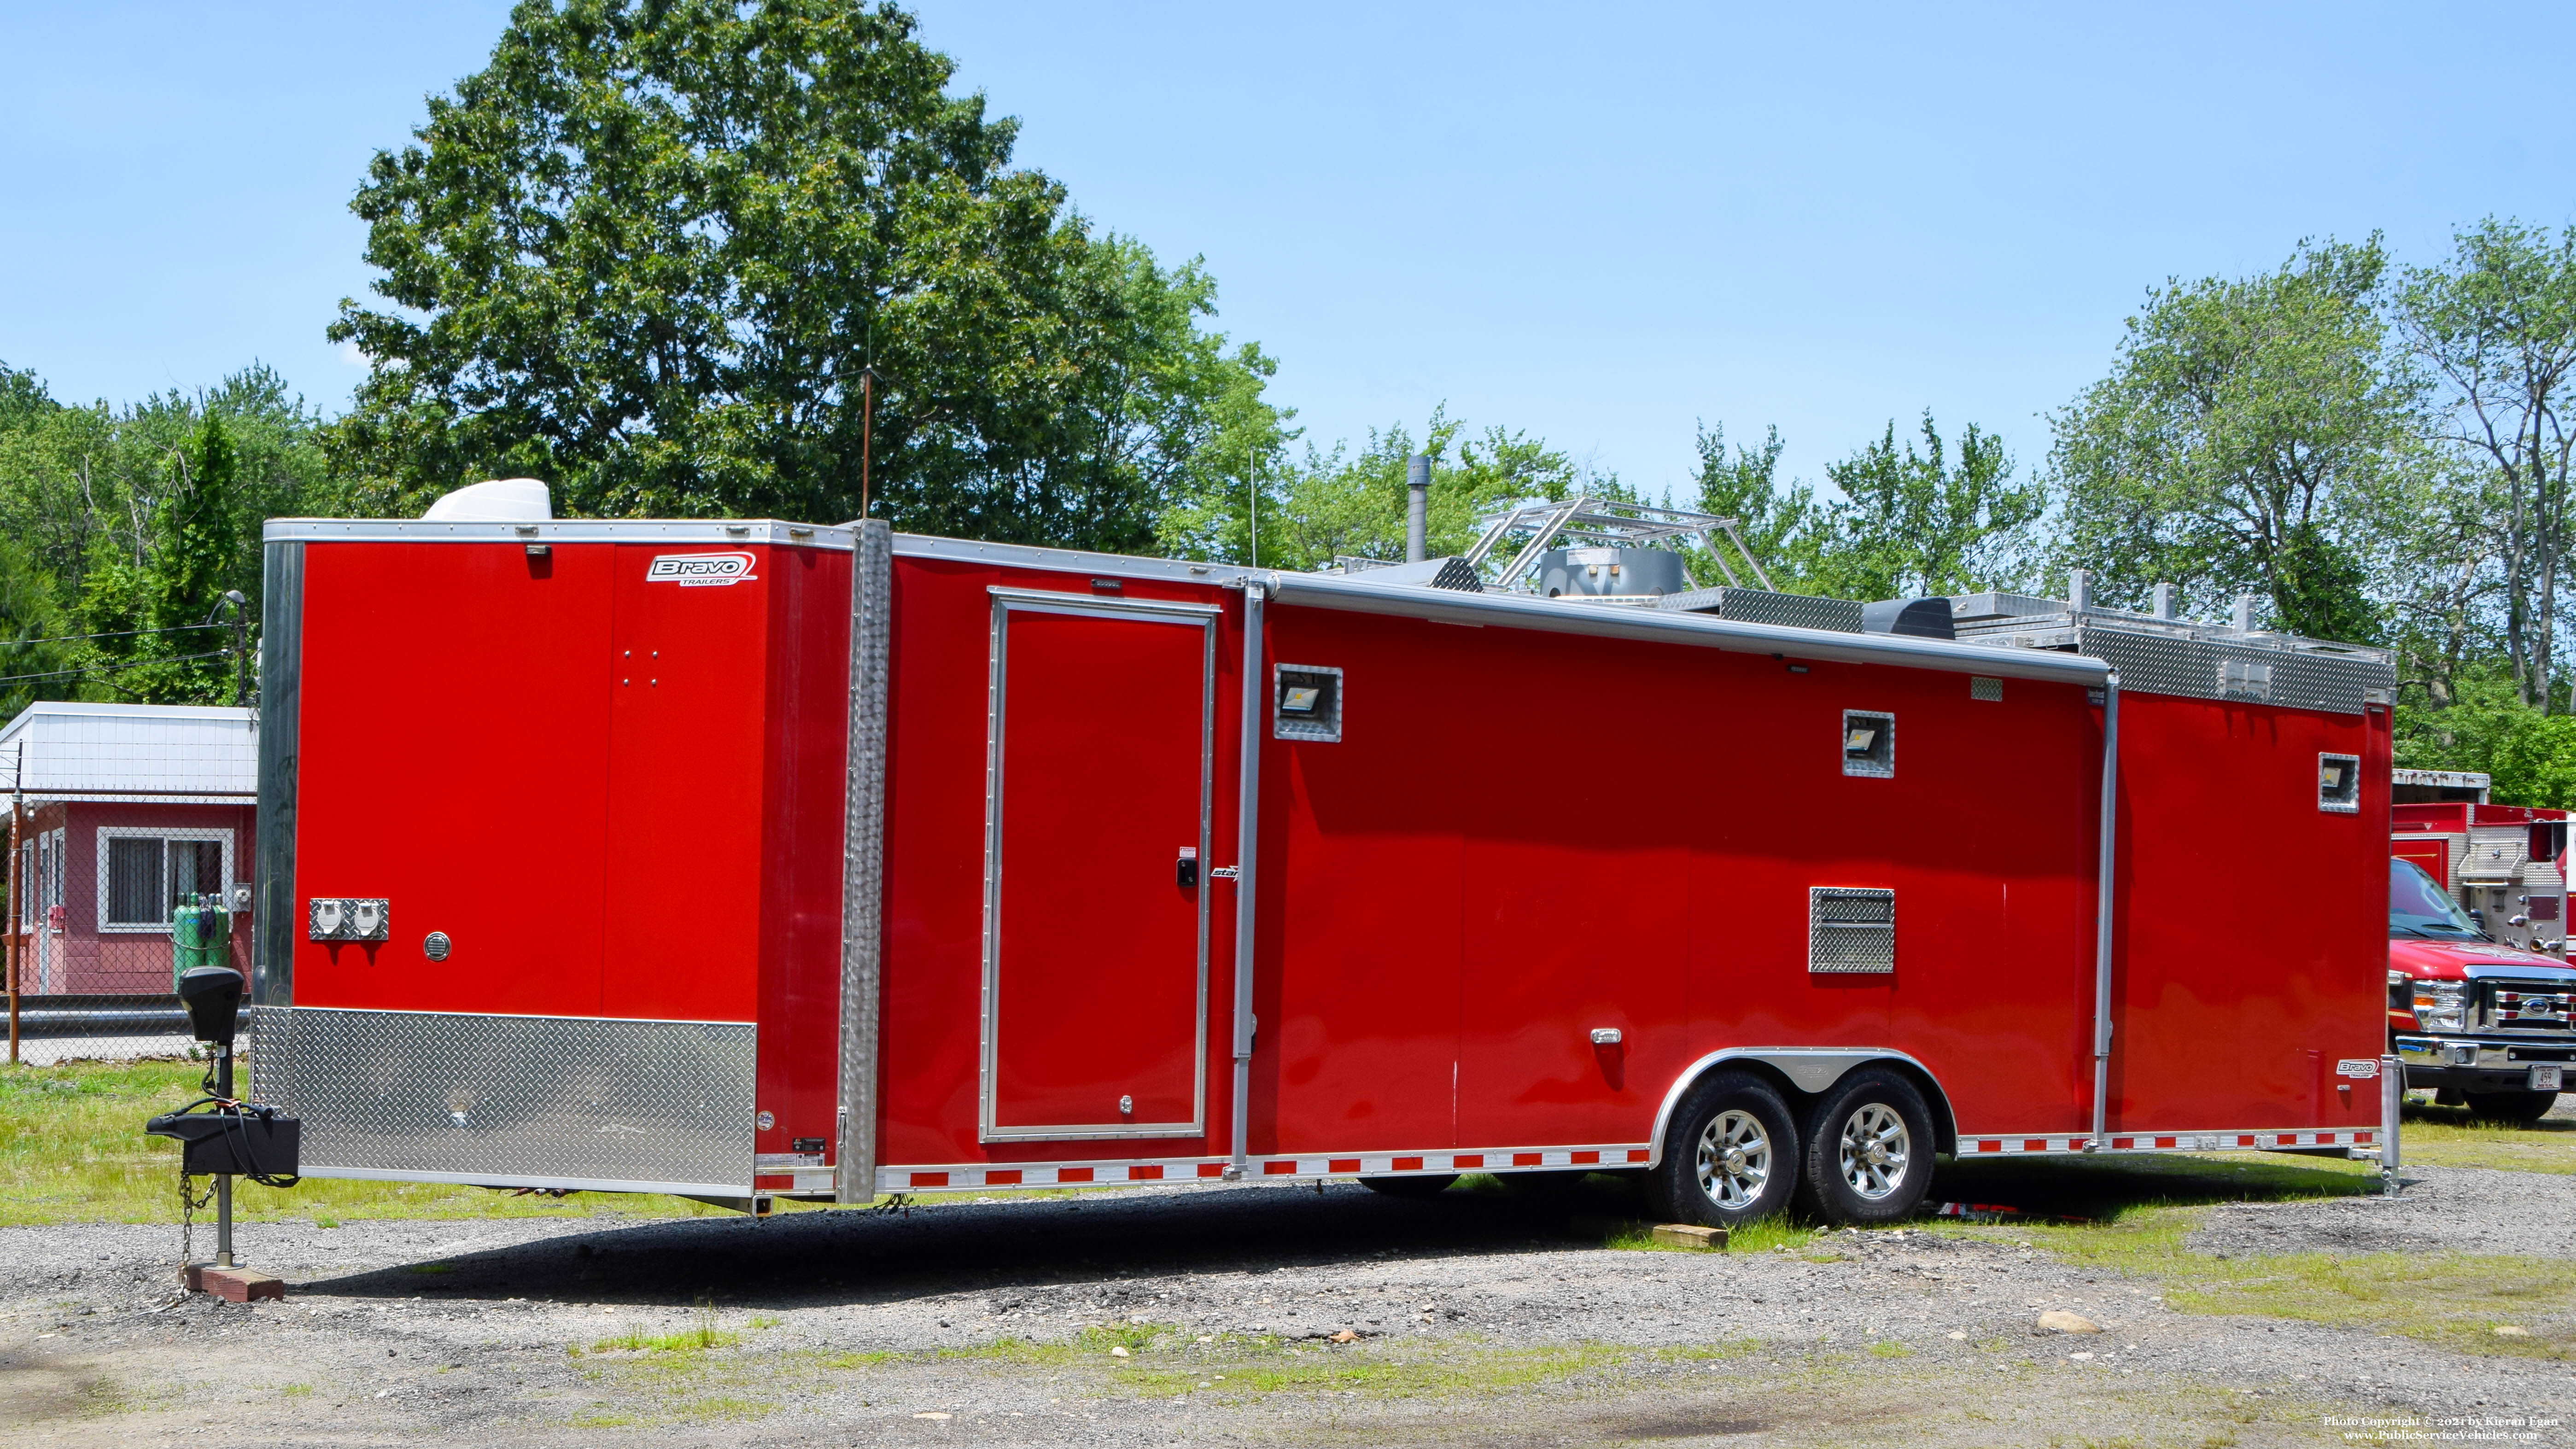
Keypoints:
(1851, 930)
(863, 859)
(469, 1098)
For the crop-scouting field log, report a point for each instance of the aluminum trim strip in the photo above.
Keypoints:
(573, 1184)
(560, 530)
(1202, 617)
(278, 720)
(1108, 606)
(2106, 850)
(2267, 1139)
(1167, 1171)
(1655, 626)
(1247, 842)
(863, 859)
(1066, 560)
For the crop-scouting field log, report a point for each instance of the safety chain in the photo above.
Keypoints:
(188, 1220)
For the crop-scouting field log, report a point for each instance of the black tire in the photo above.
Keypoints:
(1750, 1166)
(1869, 1150)
(2511, 1106)
(1418, 1187)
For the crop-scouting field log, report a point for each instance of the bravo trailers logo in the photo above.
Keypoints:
(700, 570)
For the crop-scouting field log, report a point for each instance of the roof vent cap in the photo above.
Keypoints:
(501, 500)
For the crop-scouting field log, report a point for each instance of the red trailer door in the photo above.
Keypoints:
(1095, 947)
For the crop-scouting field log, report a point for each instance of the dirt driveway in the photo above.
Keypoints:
(1287, 1315)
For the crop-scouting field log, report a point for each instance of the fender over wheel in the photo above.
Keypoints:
(1869, 1149)
(1730, 1154)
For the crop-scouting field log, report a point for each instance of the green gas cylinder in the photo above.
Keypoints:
(200, 935)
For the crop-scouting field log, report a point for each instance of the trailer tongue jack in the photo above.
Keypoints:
(228, 1139)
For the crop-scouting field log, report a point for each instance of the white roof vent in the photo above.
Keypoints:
(502, 500)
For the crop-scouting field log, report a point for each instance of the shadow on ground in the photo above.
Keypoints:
(811, 1259)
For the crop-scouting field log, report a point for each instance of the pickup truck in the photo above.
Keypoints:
(2483, 1024)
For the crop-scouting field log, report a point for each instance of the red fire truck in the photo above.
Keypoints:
(2481, 1003)
(755, 859)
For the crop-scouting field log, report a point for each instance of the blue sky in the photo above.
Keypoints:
(1600, 224)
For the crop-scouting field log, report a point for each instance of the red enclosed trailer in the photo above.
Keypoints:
(744, 860)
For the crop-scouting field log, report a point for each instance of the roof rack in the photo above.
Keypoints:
(1606, 522)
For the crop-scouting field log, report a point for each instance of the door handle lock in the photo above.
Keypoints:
(1185, 872)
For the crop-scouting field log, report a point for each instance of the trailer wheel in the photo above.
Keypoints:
(1730, 1156)
(2511, 1106)
(1869, 1150)
(1418, 1186)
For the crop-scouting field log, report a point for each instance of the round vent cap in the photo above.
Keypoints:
(436, 946)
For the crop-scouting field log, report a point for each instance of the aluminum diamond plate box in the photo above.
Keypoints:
(518, 1100)
(1760, 606)
(1851, 930)
(2165, 663)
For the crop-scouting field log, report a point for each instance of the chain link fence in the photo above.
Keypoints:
(65, 1009)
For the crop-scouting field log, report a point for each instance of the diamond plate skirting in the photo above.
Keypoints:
(516, 1100)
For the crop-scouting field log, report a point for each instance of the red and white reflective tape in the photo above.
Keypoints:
(1503, 1159)
(954, 1176)
(1992, 1145)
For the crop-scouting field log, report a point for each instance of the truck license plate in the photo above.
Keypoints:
(2545, 1079)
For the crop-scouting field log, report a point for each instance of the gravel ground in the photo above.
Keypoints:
(1476, 1320)
(2457, 1209)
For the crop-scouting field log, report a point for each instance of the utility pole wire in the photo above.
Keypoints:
(112, 668)
(106, 634)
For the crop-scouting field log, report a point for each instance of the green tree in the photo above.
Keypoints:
(2495, 327)
(1911, 523)
(138, 518)
(650, 251)
(1776, 520)
(2246, 441)
(1905, 521)
(1351, 504)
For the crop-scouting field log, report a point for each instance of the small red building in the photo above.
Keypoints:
(126, 809)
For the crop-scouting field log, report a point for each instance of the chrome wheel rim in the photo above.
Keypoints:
(1875, 1149)
(1734, 1159)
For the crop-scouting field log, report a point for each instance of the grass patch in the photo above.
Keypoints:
(2448, 1137)
(72, 1150)
(2145, 1210)
(1016, 1351)
(297, 1391)
(703, 1334)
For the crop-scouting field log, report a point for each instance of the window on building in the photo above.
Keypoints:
(144, 873)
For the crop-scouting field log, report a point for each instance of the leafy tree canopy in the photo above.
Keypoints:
(2242, 442)
(651, 250)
